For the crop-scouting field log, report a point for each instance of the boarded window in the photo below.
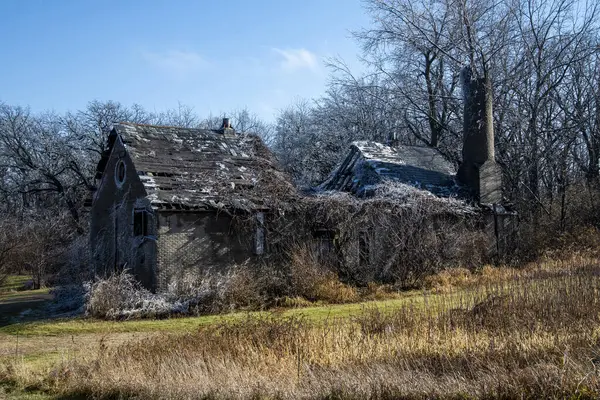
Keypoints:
(141, 222)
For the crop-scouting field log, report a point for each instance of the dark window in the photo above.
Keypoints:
(363, 249)
(324, 242)
(141, 222)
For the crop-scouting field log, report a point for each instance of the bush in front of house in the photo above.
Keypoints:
(309, 279)
(121, 297)
(243, 287)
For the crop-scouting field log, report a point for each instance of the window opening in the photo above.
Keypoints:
(259, 245)
(120, 172)
(141, 222)
(363, 248)
(324, 240)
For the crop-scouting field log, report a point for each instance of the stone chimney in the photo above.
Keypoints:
(226, 128)
(479, 170)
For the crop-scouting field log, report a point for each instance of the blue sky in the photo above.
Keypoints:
(212, 55)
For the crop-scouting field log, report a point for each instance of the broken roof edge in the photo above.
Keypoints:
(401, 195)
(402, 154)
(213, 130)
(149, 125)
(205, 207)
(128, 128)
(339, 168)
(135, 124)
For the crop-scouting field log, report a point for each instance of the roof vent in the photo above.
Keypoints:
(226, 128)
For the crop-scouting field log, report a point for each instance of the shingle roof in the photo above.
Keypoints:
(200, 168)
(371, 163)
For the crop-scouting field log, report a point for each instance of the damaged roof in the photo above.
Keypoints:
(370, 163)
(184, 168)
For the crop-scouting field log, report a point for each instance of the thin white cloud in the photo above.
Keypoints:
(177, 62)
(297, 59)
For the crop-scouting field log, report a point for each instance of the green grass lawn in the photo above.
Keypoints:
(77, 326)
(19, 304)
(13, 283)
(17, 295)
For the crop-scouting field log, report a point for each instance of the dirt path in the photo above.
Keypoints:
(21, 305)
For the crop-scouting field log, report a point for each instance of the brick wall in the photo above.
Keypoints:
(191, 244)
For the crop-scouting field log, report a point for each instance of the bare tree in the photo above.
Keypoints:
(183, 116)
(37, 159)
(410, 47)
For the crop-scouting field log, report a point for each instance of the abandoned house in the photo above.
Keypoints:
(166, 198)
(408, 179)
(405, 173)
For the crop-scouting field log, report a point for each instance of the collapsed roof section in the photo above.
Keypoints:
(370, 164)
(196, 169)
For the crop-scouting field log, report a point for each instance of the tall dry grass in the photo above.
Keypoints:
(529, 335)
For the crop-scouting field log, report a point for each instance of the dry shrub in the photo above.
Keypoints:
(335, 292)
(376, 321)
(376, 291)
(449, 279)
(315, 282)
(294, 302)
(422, 239)
(243, 289)
(108, 298)
(121, 297)
(305, 272)
(572, 229)
(251, 287)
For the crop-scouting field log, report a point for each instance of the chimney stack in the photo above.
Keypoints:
(479, 170)
(226, 128)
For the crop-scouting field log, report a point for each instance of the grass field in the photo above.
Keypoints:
(83, 326)
(532, 333)
(17, 303)
(14, 283)
(42, 344)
